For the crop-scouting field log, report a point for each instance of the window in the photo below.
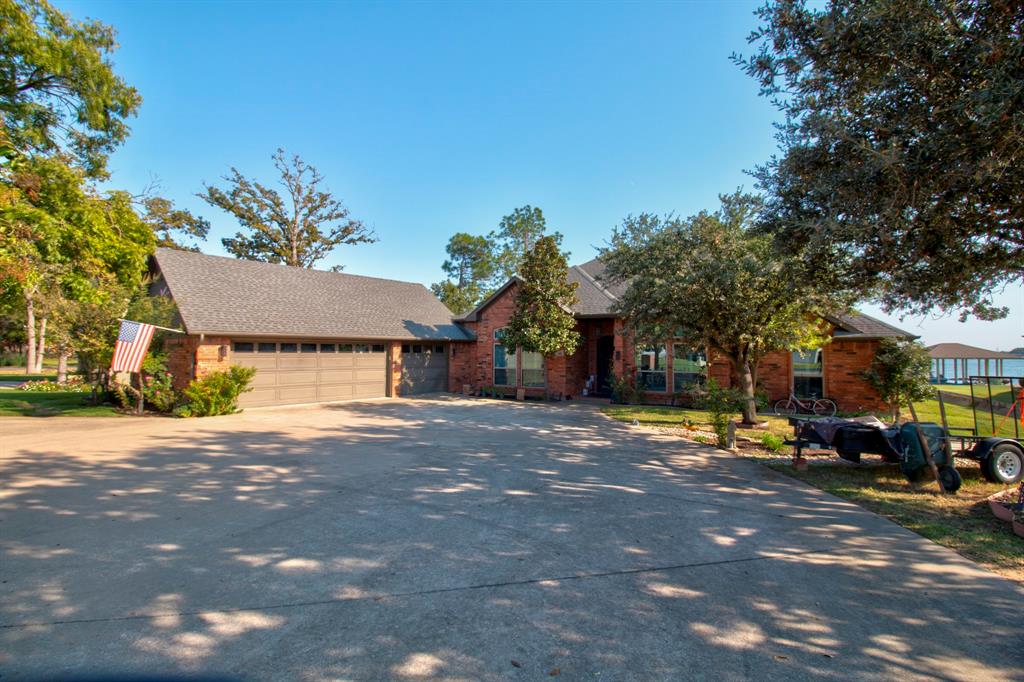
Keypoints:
(439, 349)
(504, 363)
(405, 349)
(808, 374)
(417, 348)
(687, 368)
(533, 369)
(344, 347)
(362, 347)
(651, 363)
(265, 347)
(289, 348)
(309, 348)
(377, 348)
(241, 347)
(327, 347)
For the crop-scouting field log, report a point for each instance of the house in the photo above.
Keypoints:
(313, 336)
(661, 369)
(317, 336)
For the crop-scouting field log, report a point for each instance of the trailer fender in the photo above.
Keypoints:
(987, 450)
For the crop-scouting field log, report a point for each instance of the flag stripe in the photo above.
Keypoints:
(132, 343)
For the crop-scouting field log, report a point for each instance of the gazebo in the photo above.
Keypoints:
(962, 355)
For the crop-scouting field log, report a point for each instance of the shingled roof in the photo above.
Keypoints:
(217, 295)
(596, 297)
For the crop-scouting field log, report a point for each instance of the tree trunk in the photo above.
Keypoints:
(41, 350)
(30, 333)
(62, 365)
(746, 377)
(896, 411)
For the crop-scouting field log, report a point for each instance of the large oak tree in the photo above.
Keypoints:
(902, 144)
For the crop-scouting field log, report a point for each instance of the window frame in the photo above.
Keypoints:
(698, 358)
(235, 347)
(505, 366)
(807, 378)
(642, 374)
(523, 369)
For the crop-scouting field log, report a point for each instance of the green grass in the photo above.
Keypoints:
(959, 415)
(656, 415)
(962, 522)
(33, 404)
(1001, 393)
(21, 376)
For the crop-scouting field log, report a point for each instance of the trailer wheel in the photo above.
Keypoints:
(950, 479)
(1004, 464)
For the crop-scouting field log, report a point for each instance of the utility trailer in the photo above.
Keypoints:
(997, 439)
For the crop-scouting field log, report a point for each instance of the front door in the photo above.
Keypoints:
(605, 352)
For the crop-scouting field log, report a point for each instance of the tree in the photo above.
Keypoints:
(59, 91)
(712, 281)
(901, 373)
(542, 321)
(469, 267)
(515, 236)
(174, 225)
(299, 229)
(902, 145)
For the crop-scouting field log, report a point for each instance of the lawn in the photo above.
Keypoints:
(15, 403)
(21, 376)
(961, 522)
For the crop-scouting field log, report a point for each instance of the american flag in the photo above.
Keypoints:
(132, 344)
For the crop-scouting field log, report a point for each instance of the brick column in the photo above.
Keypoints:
(394, 368)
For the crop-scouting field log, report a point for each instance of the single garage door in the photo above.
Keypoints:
(291, 371)
(424, 368)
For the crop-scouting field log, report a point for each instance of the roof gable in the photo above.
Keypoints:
(218, 295)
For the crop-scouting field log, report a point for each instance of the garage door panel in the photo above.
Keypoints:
(424, 372)
(290, 378)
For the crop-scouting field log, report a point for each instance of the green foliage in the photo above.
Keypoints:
(542, 321)
(60, 93)
(299, 229)
(157, 384)
(902, 144)
(72, 385)
(173, 225)
(469, 268)
(625, 390)
(712, 281)
(773, 442)
(515, 237)
(721, 403)
(217, 393)
(900, 372)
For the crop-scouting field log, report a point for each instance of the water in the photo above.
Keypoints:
(1011, 368)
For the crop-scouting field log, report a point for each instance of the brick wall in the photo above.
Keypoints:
(394, 377)
(188, 359)
(844, 363)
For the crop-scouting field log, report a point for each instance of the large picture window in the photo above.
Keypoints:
(808, 374)
(651, 364)
(504, 363)
(533, 370)
(687, 368)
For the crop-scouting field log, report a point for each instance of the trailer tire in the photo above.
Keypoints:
(1004, 464)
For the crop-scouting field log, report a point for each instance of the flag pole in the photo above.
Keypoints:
(176, 331)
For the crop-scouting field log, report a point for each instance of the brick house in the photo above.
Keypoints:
(313, 336)
(663, 368)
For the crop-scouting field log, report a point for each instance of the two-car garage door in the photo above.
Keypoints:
(294, 371)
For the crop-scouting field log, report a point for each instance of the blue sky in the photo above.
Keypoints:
(428, 119)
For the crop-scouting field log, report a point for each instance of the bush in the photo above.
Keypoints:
(721, 404)
(8, 359)
(772, 442)
(216, 393)
(624, 390)
(157, 384)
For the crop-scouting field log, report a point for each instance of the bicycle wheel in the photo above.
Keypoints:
(785, 407)
(823, 407)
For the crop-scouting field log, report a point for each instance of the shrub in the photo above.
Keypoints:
(72, 385)
(624, 390)
(216, 393)
(721, 404)
(157, 384)
(8, 359)
(772, 442)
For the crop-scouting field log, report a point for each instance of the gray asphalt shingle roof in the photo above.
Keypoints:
(217, 295)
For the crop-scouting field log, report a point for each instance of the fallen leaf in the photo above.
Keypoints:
(780, 657)
(516, 664)
(829, 655)
(555, 672)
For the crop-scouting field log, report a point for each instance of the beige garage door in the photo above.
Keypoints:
(290, 372)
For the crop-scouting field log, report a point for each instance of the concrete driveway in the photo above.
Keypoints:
(457, 539)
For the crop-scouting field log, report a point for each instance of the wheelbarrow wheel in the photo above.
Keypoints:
(950, 479)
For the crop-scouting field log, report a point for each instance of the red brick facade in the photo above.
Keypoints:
(471, 363)
(189, 358)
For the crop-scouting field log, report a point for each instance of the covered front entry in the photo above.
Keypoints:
(295, 371)
(424, 368)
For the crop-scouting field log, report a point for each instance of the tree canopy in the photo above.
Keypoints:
(542, 321)
(300, 228)
(902, 144)
(516, 234)
(469, 268)
(175, 228)
(58, 87)
(713, 281)
(901, 373)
